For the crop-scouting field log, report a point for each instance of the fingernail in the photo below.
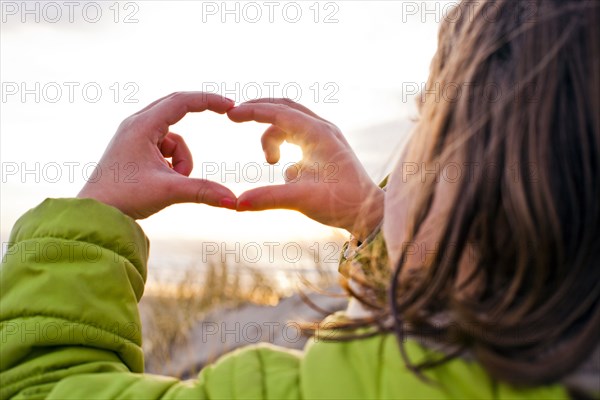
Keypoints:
(232, 105)
(228, 203)
(244, 205)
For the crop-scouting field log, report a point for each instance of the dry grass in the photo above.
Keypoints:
(170, 310)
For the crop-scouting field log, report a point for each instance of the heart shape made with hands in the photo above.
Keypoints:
(290, 122)
(144, 139)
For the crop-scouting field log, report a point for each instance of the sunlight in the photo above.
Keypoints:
(290, 152)
(78, 131)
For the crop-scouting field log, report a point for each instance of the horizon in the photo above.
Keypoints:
(371, 109)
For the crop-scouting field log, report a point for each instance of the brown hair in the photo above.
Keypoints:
(533, 112)
(525, 77)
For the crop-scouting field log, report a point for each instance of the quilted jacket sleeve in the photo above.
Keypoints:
(70, 281)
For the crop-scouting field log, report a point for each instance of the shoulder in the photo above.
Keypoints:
(373, 367)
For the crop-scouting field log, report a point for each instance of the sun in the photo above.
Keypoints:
(290, 152)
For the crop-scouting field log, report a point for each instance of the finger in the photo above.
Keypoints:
(302, 129)
(153, 104)
(293, 172)
(270, 197)
(172, 109)
(289, 103)
(192, 190)
(271, 140)
(174, 146)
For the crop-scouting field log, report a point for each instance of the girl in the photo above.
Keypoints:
(481, 283)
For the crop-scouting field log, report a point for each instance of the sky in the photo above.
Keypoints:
(71, 72)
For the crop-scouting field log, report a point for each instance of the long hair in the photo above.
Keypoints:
(513, 92)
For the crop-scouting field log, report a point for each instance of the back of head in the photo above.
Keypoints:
(514, 93)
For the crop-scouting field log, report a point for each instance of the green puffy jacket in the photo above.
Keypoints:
(71, 278)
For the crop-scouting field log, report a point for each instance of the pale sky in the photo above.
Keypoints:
(352, 72)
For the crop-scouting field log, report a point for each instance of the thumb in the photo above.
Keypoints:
(192, 190)
(270, 197)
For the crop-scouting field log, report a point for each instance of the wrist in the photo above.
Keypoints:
(102, 197)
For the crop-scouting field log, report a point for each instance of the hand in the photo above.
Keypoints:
(329, 185)
(133, 174)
